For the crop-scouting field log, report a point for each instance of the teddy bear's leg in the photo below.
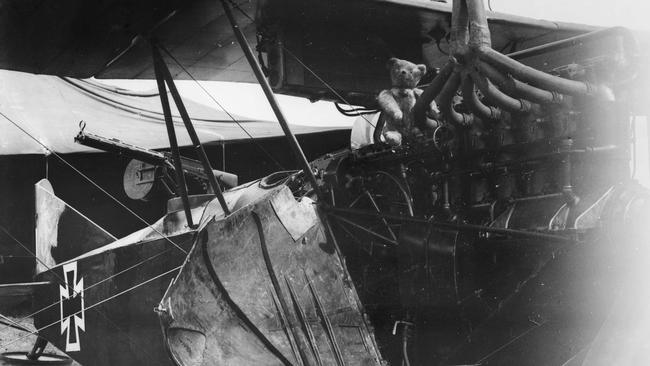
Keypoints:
(393, 138)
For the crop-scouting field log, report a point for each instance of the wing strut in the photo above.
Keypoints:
(259, 75)
(163, 76)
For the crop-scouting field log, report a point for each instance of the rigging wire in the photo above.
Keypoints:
(3, 345)
(327, 85)
(119, 203)
(222, 107)
(4, 229)
(62, 281)
(359, 110)
(92, 182)
(31, 315)
(324, 83)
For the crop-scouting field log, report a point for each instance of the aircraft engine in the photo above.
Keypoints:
(501, 216)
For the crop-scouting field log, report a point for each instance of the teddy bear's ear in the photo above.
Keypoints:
(422, 68)
(391, 61)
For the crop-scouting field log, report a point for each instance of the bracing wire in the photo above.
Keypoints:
(103, 191)
(17, 322)
(95, 304)
(30, 252)
(326, 84)
(86, 288)
(222, 107)
(92, 182)
(131, 211)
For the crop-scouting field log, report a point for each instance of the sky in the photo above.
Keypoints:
(630, 13)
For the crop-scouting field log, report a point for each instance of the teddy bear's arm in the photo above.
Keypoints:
(388, 104)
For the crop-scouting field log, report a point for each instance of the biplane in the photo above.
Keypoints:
(51, 108)
(510, 233)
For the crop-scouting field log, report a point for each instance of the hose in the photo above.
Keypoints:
(429, 94)
(542, 79)
(497, 97)
(445, 101)
(475, 105)
(516, 88)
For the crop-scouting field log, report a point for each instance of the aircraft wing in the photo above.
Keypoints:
(347, 43)
(344, 42)
(50, 108)
(81, 38)
(105, 39)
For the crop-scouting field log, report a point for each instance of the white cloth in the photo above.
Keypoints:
(362, 130)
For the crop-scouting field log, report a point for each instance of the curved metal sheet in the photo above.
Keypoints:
(303, 309)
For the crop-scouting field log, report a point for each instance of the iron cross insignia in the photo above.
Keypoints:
(72, 307)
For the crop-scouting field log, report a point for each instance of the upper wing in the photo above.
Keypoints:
(50, 109)
(347, 43)
(83, 38)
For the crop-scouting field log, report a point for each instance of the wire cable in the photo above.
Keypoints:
(95, 284)
(62, 281)
(327, 85)
(3, 345)
(222, 107)
(324, 83)
(91, 181)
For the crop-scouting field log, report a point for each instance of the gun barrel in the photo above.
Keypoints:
(190, 166)
(120, 148)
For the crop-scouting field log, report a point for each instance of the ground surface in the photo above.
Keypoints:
(13, 340)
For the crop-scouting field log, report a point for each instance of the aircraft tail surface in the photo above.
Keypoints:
(61, 232)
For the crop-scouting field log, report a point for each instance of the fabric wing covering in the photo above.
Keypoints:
(50, 109)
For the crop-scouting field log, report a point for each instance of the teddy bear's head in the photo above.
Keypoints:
(405, 74)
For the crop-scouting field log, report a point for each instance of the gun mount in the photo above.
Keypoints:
(150, 173)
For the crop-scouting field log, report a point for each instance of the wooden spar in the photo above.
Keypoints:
(181, 187)
(268, 92)
(214, 184)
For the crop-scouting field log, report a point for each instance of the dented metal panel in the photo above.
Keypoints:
(250, 294)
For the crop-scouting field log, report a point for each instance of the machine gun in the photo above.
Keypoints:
(151, 171)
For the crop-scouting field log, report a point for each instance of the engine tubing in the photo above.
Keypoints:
(446, 99)
(459, 29)
(429, 94)
(542, 79)
(496, 97)
(476, 106)
(479, 32)
(516, 88)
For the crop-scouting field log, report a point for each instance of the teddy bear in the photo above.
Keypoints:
(398, 101)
